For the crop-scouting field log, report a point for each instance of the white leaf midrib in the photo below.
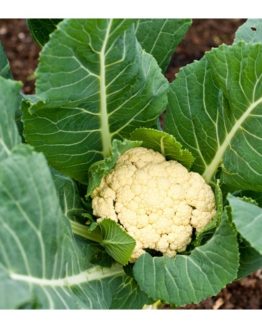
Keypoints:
(212, 167)
(105, 130)
(95, 273)
(4, 147)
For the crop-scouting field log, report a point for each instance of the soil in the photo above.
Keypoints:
(201, 37)
(22, 53)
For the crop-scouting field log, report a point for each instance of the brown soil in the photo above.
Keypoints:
(22, 53)
(201, 37)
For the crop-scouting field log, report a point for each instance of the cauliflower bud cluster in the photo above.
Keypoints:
(157, 201)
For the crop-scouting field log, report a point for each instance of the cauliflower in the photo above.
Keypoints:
(158, 202)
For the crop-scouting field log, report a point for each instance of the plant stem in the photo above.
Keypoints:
(83, 231)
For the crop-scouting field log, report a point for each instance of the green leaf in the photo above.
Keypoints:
(68, 193)
(215, 111)
(13, 295)
(250, 31)
(42, 28)
(4, 64)
(40, 263)
(190, 279)
(248, 220)
(101, 168)
(9, 104)
(194, 112)
(160, 37)
(94, 84)
(164, 143)
(250, 260)
(116, 241)
(111, 236)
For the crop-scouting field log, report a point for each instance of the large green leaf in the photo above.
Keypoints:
(190, 279)
(40, 264)
(250, 31)
(164, 143)
(94, 83)
(248, 220)
(195, 113)
(9, 104)
(42, 28)
(215, 111)
(13, 295)
(4, 64)
(160, 37)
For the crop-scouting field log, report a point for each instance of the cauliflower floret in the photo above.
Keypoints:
(140, 158)
(157, 201)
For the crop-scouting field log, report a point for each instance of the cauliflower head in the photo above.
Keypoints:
(158, 202)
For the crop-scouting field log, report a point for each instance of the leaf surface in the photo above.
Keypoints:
(9, 104)
(191, 278)
(40, 262)
(248, 220)
(215, 108)
(250, 31)
(250, 260)
(116, 241)
(160, 37)
(94, 84)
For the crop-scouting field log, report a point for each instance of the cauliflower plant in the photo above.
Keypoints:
(157, 201)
